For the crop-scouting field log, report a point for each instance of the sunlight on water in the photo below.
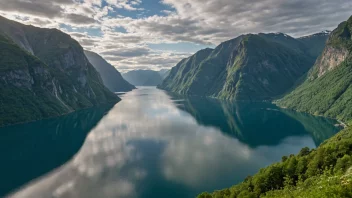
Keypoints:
(154, 145)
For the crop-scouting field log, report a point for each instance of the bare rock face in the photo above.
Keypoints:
(18, 78)
(329, 60)
(328, 88)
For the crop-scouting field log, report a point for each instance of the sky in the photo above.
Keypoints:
(156, 34)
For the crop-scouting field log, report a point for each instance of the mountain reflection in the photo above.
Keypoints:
(33, 149)
(154, 145)
(255, 123)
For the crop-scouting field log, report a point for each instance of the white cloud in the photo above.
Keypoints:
(195, 21)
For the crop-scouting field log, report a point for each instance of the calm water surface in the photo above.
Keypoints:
(151, 145)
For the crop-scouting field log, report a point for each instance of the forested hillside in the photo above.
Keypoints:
(328, 88)
(249, 67)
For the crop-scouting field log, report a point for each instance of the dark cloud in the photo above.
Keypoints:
(160, 61)
(126, 38)
(79, 19)
(49, 9)
(195, 21)
(87, 42)
(128, 52)
(219, 20)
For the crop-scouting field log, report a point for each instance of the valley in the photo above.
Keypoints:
(110, 105)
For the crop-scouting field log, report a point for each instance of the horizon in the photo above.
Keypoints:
(157, 34)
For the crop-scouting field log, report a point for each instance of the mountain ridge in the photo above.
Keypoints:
(327, 90)
(112, 78)
(45, 74)
(248, 67)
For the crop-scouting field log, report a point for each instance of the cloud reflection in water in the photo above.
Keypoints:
(147, 145)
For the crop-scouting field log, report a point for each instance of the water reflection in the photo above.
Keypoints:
(33, 149)
(148, 147)
(256, 123)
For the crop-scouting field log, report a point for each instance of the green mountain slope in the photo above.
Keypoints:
(27, 86)
(143, 77)
(111, 77)
(328, 88)
(249, 67)
(321, 172)
(44, 73)
(325, 171)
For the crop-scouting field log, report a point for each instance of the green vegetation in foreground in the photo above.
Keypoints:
(327, 170)
(322, 172)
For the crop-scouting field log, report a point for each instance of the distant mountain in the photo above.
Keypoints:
(111, 77)
(249, 67)
(44, 73)
(316, 42)
(164, 73)
(328, 88)
(144, 77)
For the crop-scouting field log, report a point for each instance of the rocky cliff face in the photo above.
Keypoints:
(334, 52)
(329, 60)
(46, 73)
(249, 67)
(111, 77)
(328, 88)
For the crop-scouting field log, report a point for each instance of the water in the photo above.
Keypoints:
(152, 144)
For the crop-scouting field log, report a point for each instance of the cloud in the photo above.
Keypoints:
(207, 22)
(79, 19)
(127, 52)
(125, 4)
(232, 18)
(182, 151)
(49, 9)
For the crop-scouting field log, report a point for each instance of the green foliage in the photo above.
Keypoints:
(53, 77)
(321, 172)
(329, 95)
(249, 67)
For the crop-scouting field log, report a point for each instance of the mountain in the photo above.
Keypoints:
(316, 42)
(143, 77)
(111, 77)
(327, 90)
(249, 67)
(164, 73)
(44, 73)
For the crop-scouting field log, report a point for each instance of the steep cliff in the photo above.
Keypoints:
(328, 88)
(44, 73)
(249, 67)
(111, 77)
